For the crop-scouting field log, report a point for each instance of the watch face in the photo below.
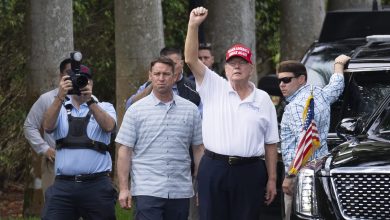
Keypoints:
(92, 100)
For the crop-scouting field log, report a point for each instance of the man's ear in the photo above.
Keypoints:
(149, 76)
(302, 79)
(176, 76)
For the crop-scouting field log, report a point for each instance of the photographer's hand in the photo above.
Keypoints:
(64, 87)
(51, 114)
(86, 92)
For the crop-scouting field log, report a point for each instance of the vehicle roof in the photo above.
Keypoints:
(340, 25)
(375, 55)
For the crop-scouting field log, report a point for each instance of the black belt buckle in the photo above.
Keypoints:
(233, 160)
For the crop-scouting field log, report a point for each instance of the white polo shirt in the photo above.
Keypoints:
(232, 126)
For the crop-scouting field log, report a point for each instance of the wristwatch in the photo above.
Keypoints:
(91, 101)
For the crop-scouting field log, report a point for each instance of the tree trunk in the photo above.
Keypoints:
(50, 25)
(51, 28)
(301, 22)
(138, 39)
(230, 22)
(350, 4)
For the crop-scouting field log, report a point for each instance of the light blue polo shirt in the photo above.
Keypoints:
(160, 135)
(82, 161)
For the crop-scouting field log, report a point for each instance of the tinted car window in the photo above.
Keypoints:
(320, 59)
(383, 129)
(365, 91)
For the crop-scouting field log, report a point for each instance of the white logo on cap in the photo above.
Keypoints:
(238, 49)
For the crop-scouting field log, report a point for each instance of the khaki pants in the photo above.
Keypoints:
(288, 202)
(287, 206)
(47, 168)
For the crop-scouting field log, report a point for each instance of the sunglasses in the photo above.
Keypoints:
(286, 80)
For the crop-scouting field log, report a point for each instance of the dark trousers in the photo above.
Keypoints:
(155, 208)
(67, 200)
(230, 192)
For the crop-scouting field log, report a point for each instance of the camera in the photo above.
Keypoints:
(79, 79)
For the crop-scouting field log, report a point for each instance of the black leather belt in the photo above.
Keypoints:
(83, 177)
(232, 160)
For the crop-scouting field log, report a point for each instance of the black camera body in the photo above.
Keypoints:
(79, 80)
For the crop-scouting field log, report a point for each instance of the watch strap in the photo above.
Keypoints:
(91, 101)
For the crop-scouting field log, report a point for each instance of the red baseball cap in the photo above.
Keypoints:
(239, 50)
(84, 69)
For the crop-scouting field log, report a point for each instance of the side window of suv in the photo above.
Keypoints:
(364, 92)
(384, 127)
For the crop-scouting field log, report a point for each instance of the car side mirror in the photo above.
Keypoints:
(349, 127)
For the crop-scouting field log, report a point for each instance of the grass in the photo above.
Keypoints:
(123, 214)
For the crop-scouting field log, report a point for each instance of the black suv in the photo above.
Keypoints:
(346, 33)
(353, 180)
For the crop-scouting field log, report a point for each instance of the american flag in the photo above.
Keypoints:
(309, 140)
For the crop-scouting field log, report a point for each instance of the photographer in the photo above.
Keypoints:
(82, 129)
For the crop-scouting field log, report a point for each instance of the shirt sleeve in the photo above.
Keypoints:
(335, 87)
(212, 86)
(130, 100)
(197, 131)
(272, 135)
(109, 108)
(105, 136)
(127, 133)
(291, 126)
(33, 129)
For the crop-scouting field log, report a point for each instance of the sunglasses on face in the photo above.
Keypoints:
(286, 80)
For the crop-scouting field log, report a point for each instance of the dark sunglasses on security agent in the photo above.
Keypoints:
(286, 80)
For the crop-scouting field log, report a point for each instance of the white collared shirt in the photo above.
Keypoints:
(232, 126)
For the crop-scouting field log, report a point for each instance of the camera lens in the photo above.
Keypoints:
(81, 81)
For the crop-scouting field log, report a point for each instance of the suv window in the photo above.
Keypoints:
(365, 88)
(384, 127)
(319, 60)
(380, 128)
(364, 93)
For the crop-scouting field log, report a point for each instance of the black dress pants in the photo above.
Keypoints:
(92, 199)
(230, 192)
